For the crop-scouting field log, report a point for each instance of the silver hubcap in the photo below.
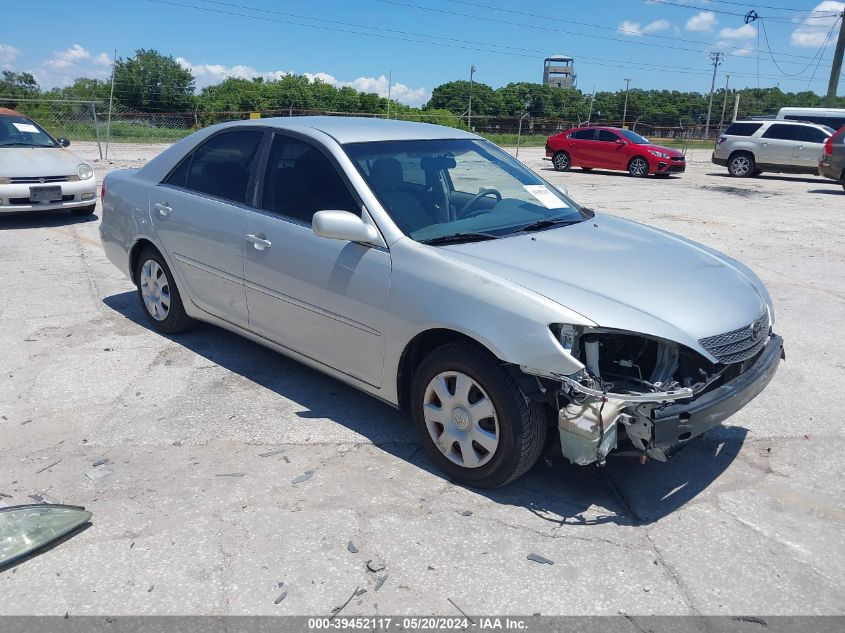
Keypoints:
(740, 165)
(155, 289)
(561, 161)
(461, 419)
(639, 167)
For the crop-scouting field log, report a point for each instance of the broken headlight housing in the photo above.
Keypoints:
(24, 529)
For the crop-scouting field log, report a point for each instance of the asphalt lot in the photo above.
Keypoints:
(202, 507)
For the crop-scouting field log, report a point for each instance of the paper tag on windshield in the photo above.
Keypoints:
(26, 127)
(546, 197)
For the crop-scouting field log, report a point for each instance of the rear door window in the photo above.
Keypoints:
(742, 129)
(813, 135)
(607, 136)
(583, 135)
(784, 132)
(222, 166)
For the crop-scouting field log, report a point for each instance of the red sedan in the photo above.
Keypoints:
(612, 148)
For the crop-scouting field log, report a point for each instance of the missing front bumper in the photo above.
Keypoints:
(589, 431)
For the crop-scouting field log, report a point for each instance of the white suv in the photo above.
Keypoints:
(748, 148)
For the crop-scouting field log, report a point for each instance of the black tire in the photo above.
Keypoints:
(176, 319)
(562, 161)
(89, 210)
(742, 165)
(522, 424)
(636, 169)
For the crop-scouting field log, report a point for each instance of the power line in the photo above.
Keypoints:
(409, 37)
(819, 54)
(595, 26)
(698, 7)
(558, 30)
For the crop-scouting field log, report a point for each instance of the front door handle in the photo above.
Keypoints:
(258, 241)
(163, 209)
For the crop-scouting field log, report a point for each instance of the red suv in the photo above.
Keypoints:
(612, 148)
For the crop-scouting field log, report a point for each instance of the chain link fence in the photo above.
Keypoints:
(119, 134)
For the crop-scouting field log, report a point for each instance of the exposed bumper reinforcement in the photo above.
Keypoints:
(677, 423)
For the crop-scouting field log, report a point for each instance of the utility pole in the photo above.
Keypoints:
(715, 58)
(472, 70)
(625, 111)
(389, 80)
(724, 103)
(111, 99)
(833, 85)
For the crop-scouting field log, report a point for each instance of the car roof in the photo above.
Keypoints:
(346, 129)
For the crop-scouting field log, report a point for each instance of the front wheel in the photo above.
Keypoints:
(561, 161)
(160, 299)
(472, 418)
(638, 167)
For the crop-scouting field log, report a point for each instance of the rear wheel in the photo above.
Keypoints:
(742, 165)
(84, 210)
(472, 418)
(638, 167)
(561, 161)
(158, 294)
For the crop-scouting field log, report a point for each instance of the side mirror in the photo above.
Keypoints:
(620, 141)
(343, 225)
(63, 142)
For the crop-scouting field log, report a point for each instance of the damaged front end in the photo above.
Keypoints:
(653, 393)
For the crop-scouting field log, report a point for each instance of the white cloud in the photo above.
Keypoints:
(743, 52)
(635, 30)
(701, 21)
(69, 57)
(103, 59)
(209, 74)
(8, 54)
(744, 32)
(813, 30)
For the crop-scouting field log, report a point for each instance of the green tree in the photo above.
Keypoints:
(454, 96)
(150, 81)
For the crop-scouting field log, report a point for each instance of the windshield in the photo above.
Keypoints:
(18, 131)
(635, 138)
(435, 189)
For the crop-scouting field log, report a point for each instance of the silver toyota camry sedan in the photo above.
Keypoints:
(427, 267)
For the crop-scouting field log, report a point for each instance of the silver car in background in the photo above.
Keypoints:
(37, 173)
(427, 267)
(748, 148)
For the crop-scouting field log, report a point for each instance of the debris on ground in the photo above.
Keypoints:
(100, 462)
(540, 559)
(281, 597)
(230, 475)
(463, 613)
(303, 477)
(37, 472)
(360, 592)
(380, 582)
(285, 457)
(97, 472)
(271, 453)
(465, 513)
(337, 610)
(150, 588)
(352, 548)
(375, 565)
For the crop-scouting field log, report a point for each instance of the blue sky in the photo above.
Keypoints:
(658, 43)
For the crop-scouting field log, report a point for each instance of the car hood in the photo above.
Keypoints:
(626, 276)
(673, 153)
(19, 162)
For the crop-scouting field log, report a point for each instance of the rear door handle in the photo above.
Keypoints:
(258, 241)
(163, 209)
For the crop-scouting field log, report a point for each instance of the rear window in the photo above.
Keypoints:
(742, 129)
